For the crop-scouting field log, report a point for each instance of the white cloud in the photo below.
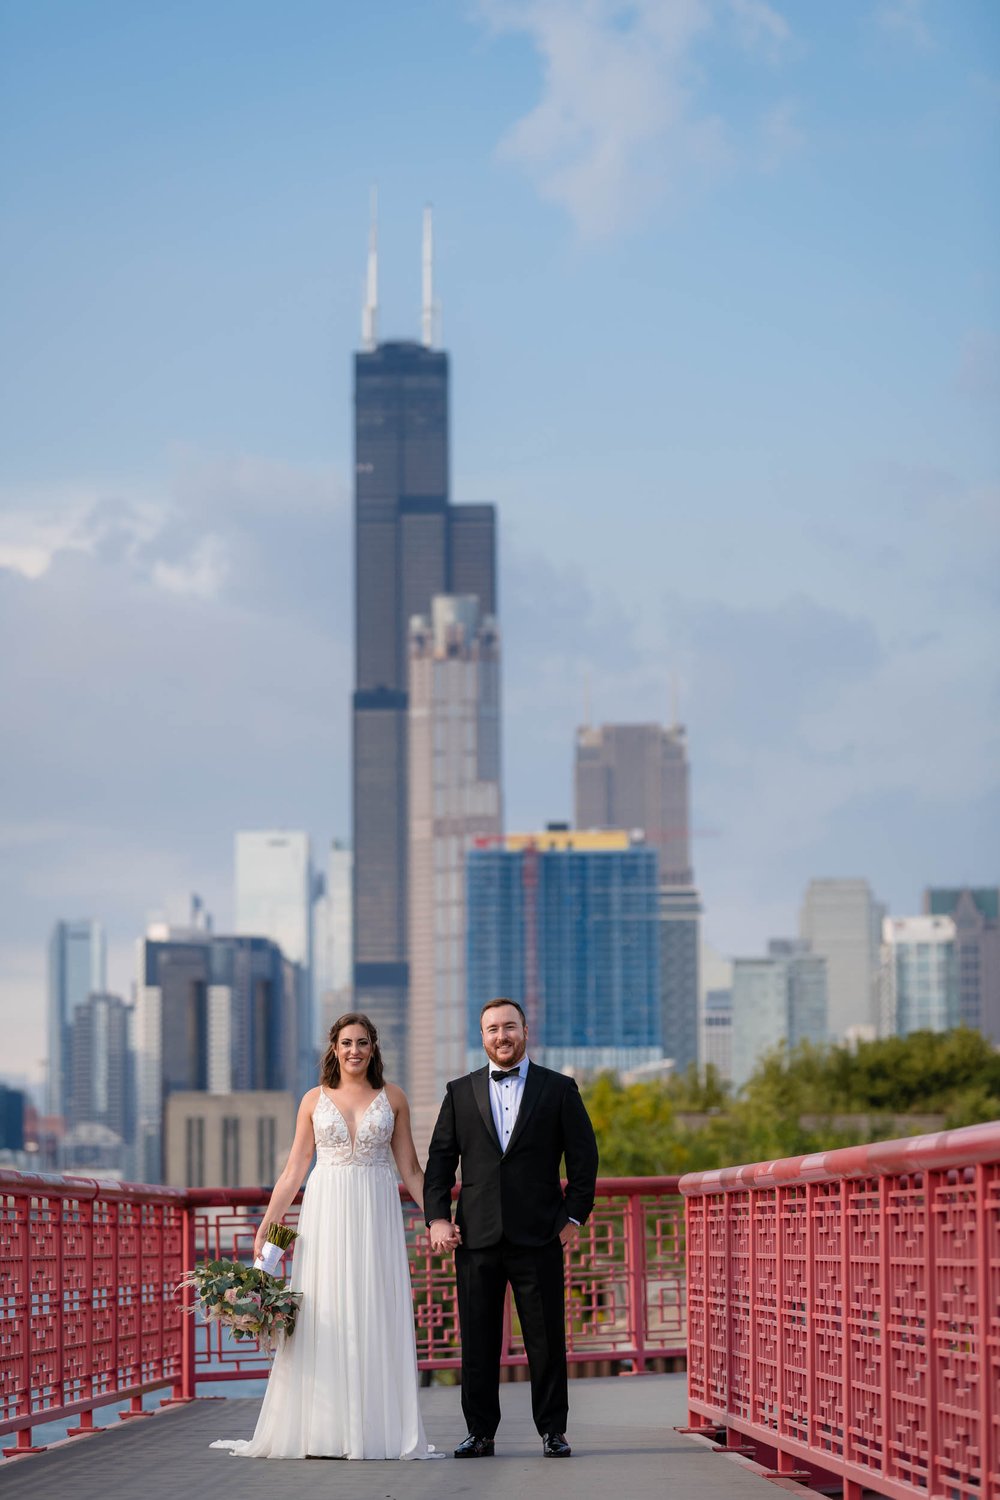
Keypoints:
(618, 122)
(202, 573)
(760, 26)
(907, 20)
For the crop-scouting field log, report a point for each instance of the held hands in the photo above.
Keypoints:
(444, 1235)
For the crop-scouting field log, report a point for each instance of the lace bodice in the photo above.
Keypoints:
(371, 1141)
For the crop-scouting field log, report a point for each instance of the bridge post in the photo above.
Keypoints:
(184, 1389)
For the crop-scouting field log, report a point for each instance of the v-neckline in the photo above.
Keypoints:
(361, 1121)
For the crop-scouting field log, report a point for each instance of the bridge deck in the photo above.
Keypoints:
(622, 1430)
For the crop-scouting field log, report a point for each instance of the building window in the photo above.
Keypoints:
(194, 1151)
(265, 1150)
(230, 1151)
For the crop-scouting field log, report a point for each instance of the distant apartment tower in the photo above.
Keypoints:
(411, 544)
(919, 986)
(334, 924)
(636, 776)
(715, 981)
(842, 922)
(13, 1107)
(976, 914)
(102, 1084)
(778, 999)
(213, 1014)
(275, 890)
(453, 796)
(567, 922)
(77, 968)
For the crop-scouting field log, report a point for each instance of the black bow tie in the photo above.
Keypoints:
(498, 1075)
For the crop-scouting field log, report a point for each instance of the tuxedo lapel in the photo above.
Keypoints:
(533, 1085)
(481, 1094)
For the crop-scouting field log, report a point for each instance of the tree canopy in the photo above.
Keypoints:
(796, 1101)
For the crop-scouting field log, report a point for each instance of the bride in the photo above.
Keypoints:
(344, 1385)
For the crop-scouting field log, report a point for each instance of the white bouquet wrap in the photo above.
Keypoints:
(279, 1238)
(269, 1259)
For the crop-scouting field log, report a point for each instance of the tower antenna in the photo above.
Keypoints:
(674, 702)
(369, 316)
(586, 697)
(427, 310)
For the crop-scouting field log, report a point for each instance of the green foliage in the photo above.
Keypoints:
(250, 1302)
(795, 1102)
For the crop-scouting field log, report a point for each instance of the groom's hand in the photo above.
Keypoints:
(444, 1235)
(569, 1234)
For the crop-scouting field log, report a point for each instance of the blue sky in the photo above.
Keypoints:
(720, 284)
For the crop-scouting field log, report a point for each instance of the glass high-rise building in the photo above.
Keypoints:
(567, 923)
(976, 914)
(411, 544)
(77, 968)
(636, 776)
(919, 988)
(778, 999)
(101, 1066)
(275, 894)
(215, 1014)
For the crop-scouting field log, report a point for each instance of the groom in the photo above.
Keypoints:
(509, 1125)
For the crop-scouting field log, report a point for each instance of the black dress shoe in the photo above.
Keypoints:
(554, 1445)
(475, 1447)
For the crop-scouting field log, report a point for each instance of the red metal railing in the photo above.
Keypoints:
(89, 1314)
(844, 1314)
(87, 1311)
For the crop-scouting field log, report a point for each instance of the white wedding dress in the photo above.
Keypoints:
(345, 1384)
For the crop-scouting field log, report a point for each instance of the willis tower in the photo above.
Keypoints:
(410, 544)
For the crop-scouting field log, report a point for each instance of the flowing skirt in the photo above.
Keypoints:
(345, 1384)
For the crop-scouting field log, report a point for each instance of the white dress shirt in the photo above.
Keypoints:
(505, 1100)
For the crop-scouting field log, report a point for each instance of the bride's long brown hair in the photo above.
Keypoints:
(329, 1070)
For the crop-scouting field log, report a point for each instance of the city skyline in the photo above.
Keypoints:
(724, 360)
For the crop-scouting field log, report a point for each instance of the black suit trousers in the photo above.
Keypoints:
(535, 1276)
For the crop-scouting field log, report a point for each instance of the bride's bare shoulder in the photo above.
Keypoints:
(395, 1096)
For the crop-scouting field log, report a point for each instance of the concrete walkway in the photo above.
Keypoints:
(622, 1431)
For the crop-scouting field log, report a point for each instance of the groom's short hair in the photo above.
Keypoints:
(501, 1000)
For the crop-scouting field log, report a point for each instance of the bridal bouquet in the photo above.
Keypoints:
(252, 1301)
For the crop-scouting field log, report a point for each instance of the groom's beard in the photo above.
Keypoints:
(510, 1057)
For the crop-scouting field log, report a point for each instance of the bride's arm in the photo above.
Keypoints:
(403, 1148)
(294, 1170)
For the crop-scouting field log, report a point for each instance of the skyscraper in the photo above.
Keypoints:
(976, 914)
(636, 776)
(842, 921)
(454, 795)
(411, 543)
(213, 1013)
(780, 998)
(715, 986)
(77, 963)
(274, 899)
(919, 975)
(101, 1066)
(567, 923)
(333, 966)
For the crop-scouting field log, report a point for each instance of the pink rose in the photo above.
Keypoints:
(231, 1295)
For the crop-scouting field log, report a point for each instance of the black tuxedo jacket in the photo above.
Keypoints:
(517, 1193)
